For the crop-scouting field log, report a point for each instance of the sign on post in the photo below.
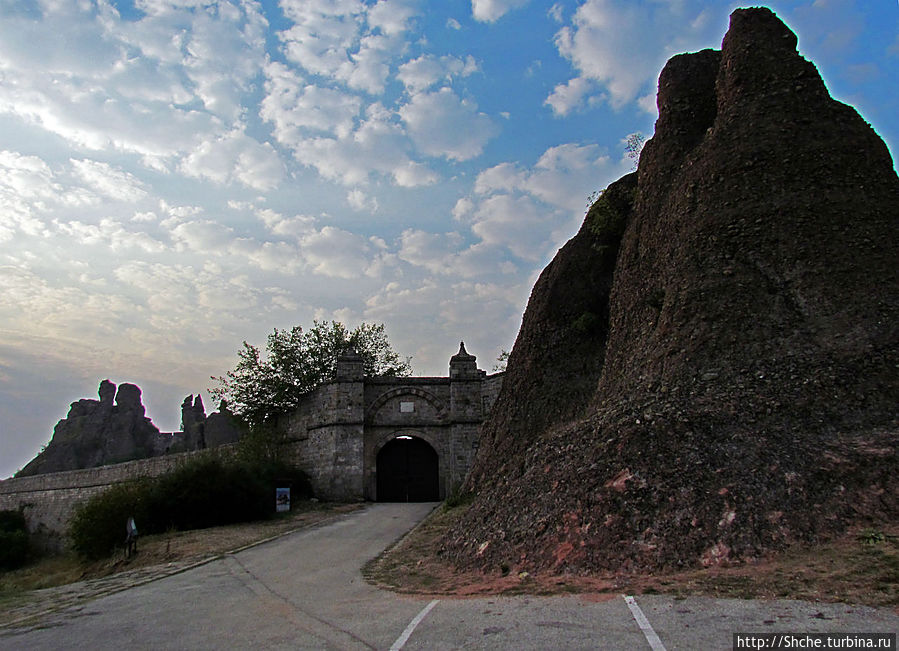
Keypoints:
(282, 499)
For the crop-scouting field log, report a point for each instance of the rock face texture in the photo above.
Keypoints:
(97, 433)
(738, 388)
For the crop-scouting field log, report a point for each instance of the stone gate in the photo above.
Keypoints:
(389, 438)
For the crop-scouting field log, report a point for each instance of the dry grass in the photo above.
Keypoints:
(860, 567)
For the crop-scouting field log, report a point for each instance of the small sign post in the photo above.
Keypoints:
(282, 499)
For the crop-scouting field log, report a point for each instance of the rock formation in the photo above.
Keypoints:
(222, 427)
(735, 357)
(193, 423)
(97, 433)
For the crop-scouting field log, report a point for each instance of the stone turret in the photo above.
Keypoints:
(463, 365)
(350, 366)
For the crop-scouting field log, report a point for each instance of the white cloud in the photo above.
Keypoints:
(359, 201)
(492, 10)
(293, 107)
(157, 86)
(427, 70)
(112, 183)
(442, 124)
(530, 212)
(337, 253)
(378, 146)
(392, 16)
(290, 227)
(569, 96)
(347, 41)
(621, 46)
(203, 236)
(235, 157)
(108, 233)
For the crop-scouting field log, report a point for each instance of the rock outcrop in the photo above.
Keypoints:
(736, 356)
(96, 433)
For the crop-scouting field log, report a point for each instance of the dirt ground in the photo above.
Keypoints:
(861, 567)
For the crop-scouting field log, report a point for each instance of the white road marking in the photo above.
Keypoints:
(654, 642)
(402, 639)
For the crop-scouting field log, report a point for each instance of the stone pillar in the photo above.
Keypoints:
(466, 414)
(348, 404)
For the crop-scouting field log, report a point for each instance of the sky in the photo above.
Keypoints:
(180, 176)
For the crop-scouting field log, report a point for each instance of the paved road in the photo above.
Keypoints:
(304, 591)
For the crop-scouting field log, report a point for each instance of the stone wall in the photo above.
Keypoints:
(48, 500)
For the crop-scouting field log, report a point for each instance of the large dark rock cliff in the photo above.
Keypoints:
(736, 388)
(98, 432)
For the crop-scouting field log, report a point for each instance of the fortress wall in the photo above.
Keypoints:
(49, 500)
(490, 390)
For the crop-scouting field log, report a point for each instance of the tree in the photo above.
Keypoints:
(634, 146)
(501, 362)
(296, 361)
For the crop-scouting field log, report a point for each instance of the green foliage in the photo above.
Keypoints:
(205, 492)
(605, 220)
(98, 526)
(633, 145)
(608, 217)
(13, 540)
(501, 362)
(296, 361)
(586, 323)
(458, 498)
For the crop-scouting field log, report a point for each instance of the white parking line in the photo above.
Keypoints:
(402, 639)
(654, 642)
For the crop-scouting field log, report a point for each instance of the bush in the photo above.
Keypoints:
(205, 492)
(98, 525)
(13, 540)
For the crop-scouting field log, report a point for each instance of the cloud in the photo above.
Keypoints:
(377, 147)
(203, 236)
(235, 157)
(347, 41)
(111, 183)
(532, 211)
(157, 86)
(337, 253)
(619, 47)
(490, 11)
(359, 201)
(425, 71)
(294, 107)
(442, 124)
(110, 234)
(569, 96)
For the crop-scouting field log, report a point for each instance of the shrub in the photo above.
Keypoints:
(98, 525)
(204, 492)
(13, 540)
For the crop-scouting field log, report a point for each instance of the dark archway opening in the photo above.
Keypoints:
(407, 471)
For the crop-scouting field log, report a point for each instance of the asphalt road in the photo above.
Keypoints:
(305, 591)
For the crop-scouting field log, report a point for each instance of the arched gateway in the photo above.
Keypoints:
(407, 471)
(391, 438)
